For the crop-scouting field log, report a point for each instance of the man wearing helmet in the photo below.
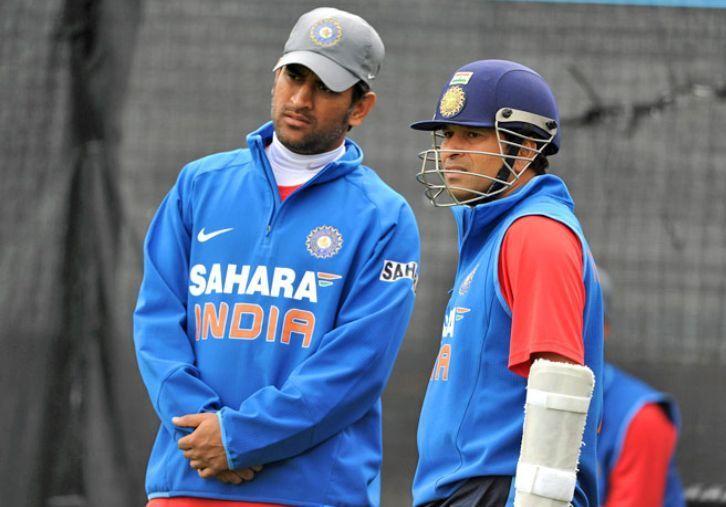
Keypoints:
(524, 325)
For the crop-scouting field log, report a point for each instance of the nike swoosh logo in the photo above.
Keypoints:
(206, 236)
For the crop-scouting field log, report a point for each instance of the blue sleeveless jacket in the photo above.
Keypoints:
(472, 416)
(624, 396)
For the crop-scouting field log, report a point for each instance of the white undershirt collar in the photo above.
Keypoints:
(291, 169)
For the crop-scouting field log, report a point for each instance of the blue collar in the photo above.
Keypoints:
(476, 218)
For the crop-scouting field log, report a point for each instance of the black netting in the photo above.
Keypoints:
(642, 92)
(67, 436)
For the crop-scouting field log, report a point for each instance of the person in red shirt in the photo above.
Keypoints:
(638, 437)
(523, 325)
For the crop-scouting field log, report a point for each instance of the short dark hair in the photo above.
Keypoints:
(359, 91)
(540, 164)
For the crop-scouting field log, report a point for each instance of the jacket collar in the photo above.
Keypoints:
(475, 219)
(353, 157)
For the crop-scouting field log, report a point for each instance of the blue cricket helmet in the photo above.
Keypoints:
(478, 91)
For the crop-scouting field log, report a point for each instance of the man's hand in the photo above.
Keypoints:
(204, 448)
(205, 451)
(238, 476)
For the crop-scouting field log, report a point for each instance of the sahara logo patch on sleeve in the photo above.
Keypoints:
(393, 271)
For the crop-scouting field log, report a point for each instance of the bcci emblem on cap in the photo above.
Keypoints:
(452, 102)
(324, 242)
(326, 32)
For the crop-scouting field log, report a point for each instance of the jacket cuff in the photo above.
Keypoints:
(224, 439)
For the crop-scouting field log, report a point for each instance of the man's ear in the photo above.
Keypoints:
(361, 109)
(529, 149)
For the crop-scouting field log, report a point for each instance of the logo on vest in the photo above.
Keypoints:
(455, 314)
(466, 284)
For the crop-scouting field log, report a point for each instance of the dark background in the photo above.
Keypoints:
(103, 101)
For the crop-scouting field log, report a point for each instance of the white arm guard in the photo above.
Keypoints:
(558, 397)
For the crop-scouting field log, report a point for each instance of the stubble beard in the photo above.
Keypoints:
(315, 142)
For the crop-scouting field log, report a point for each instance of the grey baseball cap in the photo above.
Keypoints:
(339, 47)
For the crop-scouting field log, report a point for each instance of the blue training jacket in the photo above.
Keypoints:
(472, 416)
(624, 397)
(284, 318)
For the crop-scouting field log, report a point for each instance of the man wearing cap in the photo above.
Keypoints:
(278, 283)
(513, 402)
